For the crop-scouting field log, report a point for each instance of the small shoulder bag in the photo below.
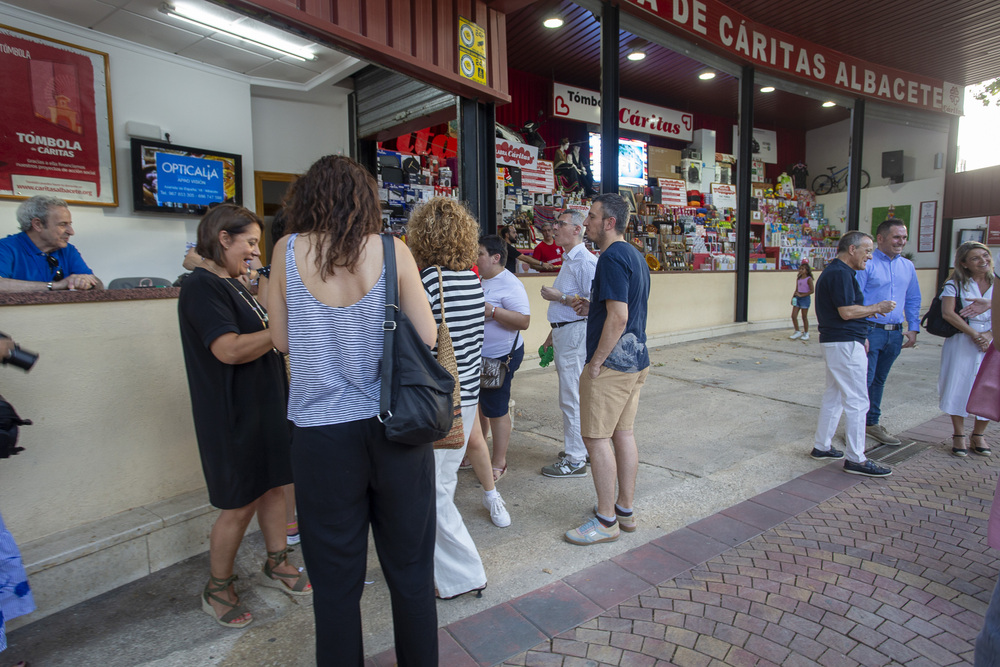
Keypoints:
(415, 400)
(493, 372)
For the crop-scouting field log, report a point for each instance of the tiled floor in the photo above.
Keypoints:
(827, 569)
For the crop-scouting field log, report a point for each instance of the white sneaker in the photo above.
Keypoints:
(805, 336)
(796, 335)
(498, 511)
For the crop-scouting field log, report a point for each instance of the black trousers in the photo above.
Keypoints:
(347, 477)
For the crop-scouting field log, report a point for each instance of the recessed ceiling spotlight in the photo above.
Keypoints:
(553, 22)
(705, 76)
(829, 104)
(637, 50)
(767, 89)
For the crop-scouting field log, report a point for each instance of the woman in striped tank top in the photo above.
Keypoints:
(327, 305)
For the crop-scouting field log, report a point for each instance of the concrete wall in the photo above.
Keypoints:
(109, 399)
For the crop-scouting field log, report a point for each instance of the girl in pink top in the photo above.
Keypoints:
(801, 301)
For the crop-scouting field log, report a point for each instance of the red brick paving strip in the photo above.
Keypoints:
(891, 571)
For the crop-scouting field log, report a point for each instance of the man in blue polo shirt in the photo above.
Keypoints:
(888, 275)
(41, 258)
(842, 330)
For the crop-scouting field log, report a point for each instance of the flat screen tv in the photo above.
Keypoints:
(168, 178)
(633, 160)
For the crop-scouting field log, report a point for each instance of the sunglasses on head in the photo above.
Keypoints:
(54, 264)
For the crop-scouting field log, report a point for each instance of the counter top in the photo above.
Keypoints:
(87, 296)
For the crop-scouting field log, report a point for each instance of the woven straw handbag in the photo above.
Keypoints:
(446, 357)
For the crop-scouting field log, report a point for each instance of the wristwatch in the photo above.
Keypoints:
(50, 287)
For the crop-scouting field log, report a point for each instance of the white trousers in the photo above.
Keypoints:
(847, 393)
(457, 565)
(569, 345)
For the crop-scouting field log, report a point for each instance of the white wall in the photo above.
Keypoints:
(290, 136)
(827, 146)
(199, 106)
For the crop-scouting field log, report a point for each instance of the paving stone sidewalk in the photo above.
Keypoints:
(891, 571)
(828, 569)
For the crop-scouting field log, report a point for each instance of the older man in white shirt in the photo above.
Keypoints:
(569, 337)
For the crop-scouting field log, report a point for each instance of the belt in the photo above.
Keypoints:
(887, 327)
(556, 325)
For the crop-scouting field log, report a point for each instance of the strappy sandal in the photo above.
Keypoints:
(229, 619)
(984, 450)
(961, 452)
(274, 579)
(498, 474)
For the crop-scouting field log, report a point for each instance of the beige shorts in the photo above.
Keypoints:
(609, 403)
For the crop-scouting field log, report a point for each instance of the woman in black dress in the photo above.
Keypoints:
(238, 387)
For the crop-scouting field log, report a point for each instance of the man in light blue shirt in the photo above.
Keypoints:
(888, 277)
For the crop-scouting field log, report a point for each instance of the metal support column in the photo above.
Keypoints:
(743, 194)
(854, 165)
(946, 249)
(477, 161)
(609, 97)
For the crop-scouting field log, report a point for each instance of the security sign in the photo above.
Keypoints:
(471, 51)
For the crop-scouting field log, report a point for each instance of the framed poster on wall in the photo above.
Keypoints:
(56, 133)
(926, 226)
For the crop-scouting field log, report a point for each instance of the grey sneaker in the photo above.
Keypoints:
(562, 455)
(498, 510)
(592, 532)
(565, 468)
(869, 469)
(878, 432)
(626, 523)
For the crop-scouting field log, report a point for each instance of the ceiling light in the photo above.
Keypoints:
(239, 30)
(636, 54)
(767, 89)
(705, 76)
(553, 22)
(829, 104)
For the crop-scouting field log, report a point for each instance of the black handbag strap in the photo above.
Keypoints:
(388, 326)
(510, 355)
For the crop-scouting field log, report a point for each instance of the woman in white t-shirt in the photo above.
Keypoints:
(507, 315)
(962, 353)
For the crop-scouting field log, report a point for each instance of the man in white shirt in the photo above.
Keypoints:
(568, 338)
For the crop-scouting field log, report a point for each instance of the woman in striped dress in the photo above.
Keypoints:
(327, 305)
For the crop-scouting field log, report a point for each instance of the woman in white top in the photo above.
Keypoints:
(327, 298)
(961, 355)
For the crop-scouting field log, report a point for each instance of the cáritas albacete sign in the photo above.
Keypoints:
(766, 47)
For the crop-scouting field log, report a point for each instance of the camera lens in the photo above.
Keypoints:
(22, 359)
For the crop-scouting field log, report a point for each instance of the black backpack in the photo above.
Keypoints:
(934, 323)
(9, 423)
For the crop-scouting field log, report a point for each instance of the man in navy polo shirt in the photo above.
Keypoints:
(842, 338)
(41, 258)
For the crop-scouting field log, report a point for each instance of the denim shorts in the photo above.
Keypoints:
(803, 301)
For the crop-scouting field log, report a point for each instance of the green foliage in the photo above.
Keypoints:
(989, 93)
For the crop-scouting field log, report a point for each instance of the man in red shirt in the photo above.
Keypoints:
(548, 251)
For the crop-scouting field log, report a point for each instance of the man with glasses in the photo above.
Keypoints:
(568, 338)
(41, 258)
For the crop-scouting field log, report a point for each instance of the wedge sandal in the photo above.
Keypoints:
(236, 610)
(283, 580)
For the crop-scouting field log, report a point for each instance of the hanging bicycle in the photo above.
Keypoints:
(836, 181)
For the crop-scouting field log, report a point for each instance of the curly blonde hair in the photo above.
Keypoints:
(443, 233)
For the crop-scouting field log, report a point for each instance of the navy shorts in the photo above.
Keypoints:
(803, 301)
(496, 402)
